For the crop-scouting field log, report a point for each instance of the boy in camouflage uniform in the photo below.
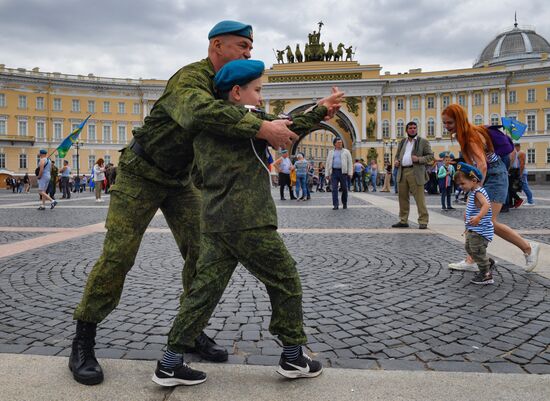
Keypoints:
(239, 224)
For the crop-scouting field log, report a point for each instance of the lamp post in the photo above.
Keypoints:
(77, 145)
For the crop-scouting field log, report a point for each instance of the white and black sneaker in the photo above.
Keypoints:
(304, 366)
(180, 375)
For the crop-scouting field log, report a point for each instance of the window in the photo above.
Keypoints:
(385, 105)
(495, 120)
(531, 156)
(547, 93)
(385, 129)
(122, 134)
(106, 107)
(548, 122)
(477, 99)
(547, 155)
(40, 103)
(22, 161)
(22, 127)
(446, 101)
(462, 100)
(512, 97)
(57, 104)
(531, 95)
(430, 102)
(107, 159)
(415, 120)
(414, 103)
(91, 106)
(136, 108)
(478, 120)
(22, 101)
(2, 160)
(2, 100)
(400, 128)
(400, 104)
(494, 97)
(57, 131)
(76, 105)
(75, 162)
(107, 138)
(531, 123)
(91, 162)
(121, 108)
(431, 127)
(91, 133)
(2, 125)
(40, 130)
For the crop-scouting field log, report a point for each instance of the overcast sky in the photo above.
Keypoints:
(153, 38)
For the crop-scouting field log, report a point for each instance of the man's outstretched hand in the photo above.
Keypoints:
(276, 132)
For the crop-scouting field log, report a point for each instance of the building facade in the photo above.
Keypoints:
(510, 78)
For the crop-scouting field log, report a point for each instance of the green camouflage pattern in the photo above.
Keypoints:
(134, 201)
(188, 108)
(235, 186)
(476, 247)
(263, 253)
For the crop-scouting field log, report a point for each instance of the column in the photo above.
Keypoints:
(407, 109)
(486, 107)
(144, 108)
(423, 115)
(470, 106)
(438, 128)
(379, 118)
(453, 97)
(266, 103)
(502, 102)
(363, 118)
(392, 122)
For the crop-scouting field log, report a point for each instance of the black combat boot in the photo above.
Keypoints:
(82, 362)
(208, 349)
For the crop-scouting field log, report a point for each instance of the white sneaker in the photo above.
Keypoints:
(463, 265)
(532, 259)
(529, 204)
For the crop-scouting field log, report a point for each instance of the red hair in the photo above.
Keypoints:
(468, 135)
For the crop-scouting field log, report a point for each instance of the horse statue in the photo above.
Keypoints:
(298, 54)
(330, 52)
(307, 53)
(339, 53)
(322, 51)
(280, 54)
(289, 55)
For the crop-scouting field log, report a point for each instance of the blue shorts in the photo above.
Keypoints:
(496, 183)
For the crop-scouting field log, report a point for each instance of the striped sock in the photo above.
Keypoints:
(292, 352)
(171, 359)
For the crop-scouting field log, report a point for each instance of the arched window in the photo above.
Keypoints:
(385, 129)
(478, 120)
(495, 119)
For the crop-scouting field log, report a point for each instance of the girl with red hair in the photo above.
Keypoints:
(477, 149)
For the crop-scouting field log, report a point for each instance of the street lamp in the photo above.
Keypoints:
(77, 145)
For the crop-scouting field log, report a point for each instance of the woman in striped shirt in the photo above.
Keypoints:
(477, 149)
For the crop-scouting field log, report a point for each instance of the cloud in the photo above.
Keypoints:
(152, 39)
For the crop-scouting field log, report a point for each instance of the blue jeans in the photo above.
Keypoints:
(373, 176)
(338, 177)
(301, 182)
(394, 174)
(357, 178)
(526, 189)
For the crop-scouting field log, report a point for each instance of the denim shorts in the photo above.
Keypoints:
(496, 183)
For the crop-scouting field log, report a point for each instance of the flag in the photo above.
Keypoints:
(64, 146)
(515, 128)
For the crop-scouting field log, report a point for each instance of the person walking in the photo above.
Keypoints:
(321, 184)
(27, 183)
(44, 167)
(301, 167)
(521, 157)
(387, 178)
(52, 186)
(445, 176)
(99, 177)
(357, 179)
(339, 169)
(413, 154)
(283, 166)
(373, 174)
(65, 177)
(477, 149)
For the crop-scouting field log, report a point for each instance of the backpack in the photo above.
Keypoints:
(502, 143)
(37, 171)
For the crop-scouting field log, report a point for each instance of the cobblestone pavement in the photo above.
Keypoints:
(373, 299)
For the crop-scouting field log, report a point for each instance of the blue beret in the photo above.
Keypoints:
(284, 151)
(238, 72)
(470, 171)
(442, 154)
(43, 152)
(231, 27)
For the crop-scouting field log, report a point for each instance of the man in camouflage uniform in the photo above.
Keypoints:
(153, 173)
(239, 224)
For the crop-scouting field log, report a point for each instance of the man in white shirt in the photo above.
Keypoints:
(283, 166)
(340, 169)
(413, 154)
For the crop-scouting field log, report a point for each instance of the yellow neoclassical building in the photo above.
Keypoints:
(511, 77)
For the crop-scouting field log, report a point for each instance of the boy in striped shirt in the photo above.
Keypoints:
(478, 221)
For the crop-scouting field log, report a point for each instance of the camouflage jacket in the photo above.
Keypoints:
(188, 108)
(235, 187)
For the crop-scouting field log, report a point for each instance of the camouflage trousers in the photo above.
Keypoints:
(264, 254)
(134, 202)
